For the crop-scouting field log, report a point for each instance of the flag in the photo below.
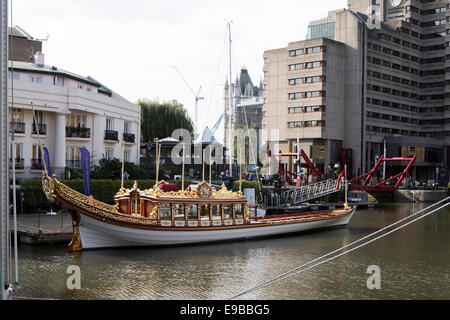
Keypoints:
(47, 161)
(86, 168)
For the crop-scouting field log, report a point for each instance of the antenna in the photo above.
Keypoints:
(197, 98)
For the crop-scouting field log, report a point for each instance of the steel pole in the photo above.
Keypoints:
(4, 143)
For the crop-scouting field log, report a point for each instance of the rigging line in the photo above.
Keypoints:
(215, 80)
(248, 132)
(297, 270)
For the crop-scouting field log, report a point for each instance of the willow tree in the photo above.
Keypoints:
(159, 120)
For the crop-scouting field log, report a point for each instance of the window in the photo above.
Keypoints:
(297, 52)
(165, 212)
(192, 212)
(13, 75)
(127, 127)
(76, 121)
(127, 155)
(17, 115)
(17, 153)
(178, 211)
(37, 79)
(73, 156)
(297, 66)
(109, 124)
(109, 154)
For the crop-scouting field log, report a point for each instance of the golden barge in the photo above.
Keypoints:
(159, 217)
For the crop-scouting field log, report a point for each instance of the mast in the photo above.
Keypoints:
(123, 160)
(230, 115)
(182, 171)
(157, 160)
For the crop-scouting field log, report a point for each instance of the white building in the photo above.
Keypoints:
(71, 112)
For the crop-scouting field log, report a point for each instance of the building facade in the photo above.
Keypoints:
(375, 73)
(247, 103)
(70, 112)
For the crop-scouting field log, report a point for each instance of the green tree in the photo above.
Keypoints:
(159, 120)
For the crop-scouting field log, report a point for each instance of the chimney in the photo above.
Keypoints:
(39, 59)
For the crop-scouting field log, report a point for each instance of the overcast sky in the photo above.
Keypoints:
(130, 46)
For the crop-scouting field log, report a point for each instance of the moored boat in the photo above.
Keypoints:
(158, 217)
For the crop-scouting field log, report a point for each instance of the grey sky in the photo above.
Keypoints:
(131, 45)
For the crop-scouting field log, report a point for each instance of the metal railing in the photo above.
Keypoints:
(42, 129)
(129, 137)
(18, 162)
(78, 132)
(36, 164)
(111, 135)
(311, 191)
(73, 163)
(18, 127)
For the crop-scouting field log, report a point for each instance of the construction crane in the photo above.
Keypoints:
(197, 98)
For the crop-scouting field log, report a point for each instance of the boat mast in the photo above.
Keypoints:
(230, 115)
(123, 159)
(182, 171)
(158, 149)
(346, 187)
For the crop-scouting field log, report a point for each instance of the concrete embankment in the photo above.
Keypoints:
(402, 195)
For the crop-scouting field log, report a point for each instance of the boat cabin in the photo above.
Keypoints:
(201, 206)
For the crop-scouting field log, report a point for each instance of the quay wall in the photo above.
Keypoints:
(420, 195)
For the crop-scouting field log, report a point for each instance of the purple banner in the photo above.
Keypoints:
(86, 168)
(47, 160)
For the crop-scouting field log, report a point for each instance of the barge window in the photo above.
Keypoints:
(204, 211)
(216, 213)
(228, 212)
(192, 212)
(165, 212)
(178, 211)
(239, 212)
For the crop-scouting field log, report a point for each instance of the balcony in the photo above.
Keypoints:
(19, 163)
(75, 164)
(129, 137)
(18, 127)
(42, 129)
(78, 132)
(111, 135)
(36, 164)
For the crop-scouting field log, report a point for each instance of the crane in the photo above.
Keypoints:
(197, 98)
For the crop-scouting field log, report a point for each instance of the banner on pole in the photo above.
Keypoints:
(47, 161)
(86, 168)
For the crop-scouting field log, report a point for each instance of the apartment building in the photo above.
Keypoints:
(70, 112)
(360, 83)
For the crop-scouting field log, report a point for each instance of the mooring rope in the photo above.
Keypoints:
(298, 270)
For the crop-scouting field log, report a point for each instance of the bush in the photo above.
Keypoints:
(247, 185)
(112, 169)
(104, 190)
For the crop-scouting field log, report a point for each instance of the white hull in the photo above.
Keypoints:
(98, 234)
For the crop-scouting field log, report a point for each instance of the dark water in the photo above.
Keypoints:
(414, 264)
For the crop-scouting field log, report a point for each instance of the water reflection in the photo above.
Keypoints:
(414, 265)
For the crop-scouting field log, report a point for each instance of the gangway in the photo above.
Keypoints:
(311, 191)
